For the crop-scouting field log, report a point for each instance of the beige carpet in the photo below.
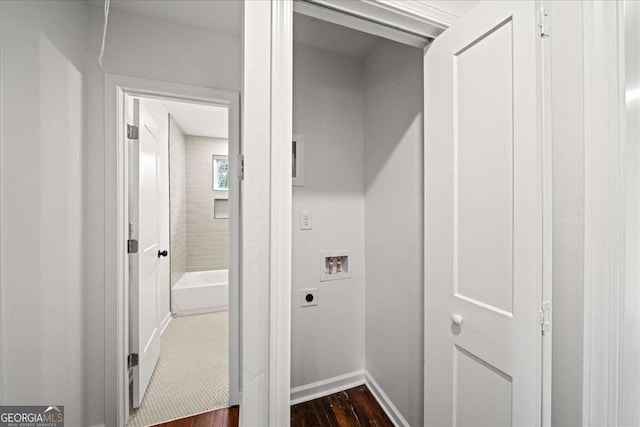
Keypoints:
(192, 375)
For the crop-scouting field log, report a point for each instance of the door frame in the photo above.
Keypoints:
(266, 132)
(610, 184)
(116, 219)
(421, 19)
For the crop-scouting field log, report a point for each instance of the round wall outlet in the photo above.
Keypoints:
(308, 297)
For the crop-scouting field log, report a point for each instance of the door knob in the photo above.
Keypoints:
(162, 253)
(457, 319)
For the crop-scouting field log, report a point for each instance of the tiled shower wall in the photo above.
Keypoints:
(207, 238)
(177, 201)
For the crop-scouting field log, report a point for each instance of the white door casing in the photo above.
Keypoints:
(118, 89)
(483, 220)
(143, 220)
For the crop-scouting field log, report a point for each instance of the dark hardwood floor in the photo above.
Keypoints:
(226, 417)
(350, 408)
(353, 407)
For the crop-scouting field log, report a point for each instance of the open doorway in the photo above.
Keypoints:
(358, 196)
(427, 203)
(182, 229)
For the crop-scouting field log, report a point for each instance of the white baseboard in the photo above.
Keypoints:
(389, 408)
(326, 387)
(193, 312)
(165, 322)
(98, 425)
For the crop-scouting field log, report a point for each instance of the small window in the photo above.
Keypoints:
(220, 173)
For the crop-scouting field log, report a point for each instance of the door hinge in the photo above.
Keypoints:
(241, 167)
(132, 132)
(132, 246)
(132, 360)
(543, 23)
(545, 317)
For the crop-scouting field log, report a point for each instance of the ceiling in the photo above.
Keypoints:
(200, 120)
(332, 37)
(218, 16)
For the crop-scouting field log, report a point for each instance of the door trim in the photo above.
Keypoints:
(546, 133)
(116, 214)
(604, 201)
(420, 18)
(281, 199)
(267, 133)
(326, 12)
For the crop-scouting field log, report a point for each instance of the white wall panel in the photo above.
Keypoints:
(394, 332)
(41, 205)
(328, 339)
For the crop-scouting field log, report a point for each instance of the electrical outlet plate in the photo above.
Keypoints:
(304, 294)
(306, 220)
(329, 269)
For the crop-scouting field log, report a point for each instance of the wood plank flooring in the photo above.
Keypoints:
(226, 417)
(350, 408)
(353, 407)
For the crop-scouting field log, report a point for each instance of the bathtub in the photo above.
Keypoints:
(200, 292)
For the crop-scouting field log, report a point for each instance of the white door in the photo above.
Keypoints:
(483, 220)
(143, 197)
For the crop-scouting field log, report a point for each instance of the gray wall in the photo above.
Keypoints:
(328, 340)
(394, 224)
(199, 242)
(207, 237)
(568, 212)
(177, 201)
(41, 205)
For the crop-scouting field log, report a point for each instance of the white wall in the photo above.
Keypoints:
(394, 224)
(41, 263)
(146, 48)
(454, 7)
(328, 340)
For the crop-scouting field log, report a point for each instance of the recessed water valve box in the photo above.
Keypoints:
(335, 265)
